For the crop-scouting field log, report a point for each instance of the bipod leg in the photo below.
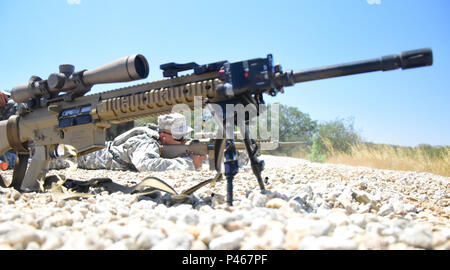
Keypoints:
(231, 168)
(252, 151)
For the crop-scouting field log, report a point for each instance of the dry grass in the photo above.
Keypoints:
(394, 158)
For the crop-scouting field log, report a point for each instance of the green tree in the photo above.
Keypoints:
(295, 125)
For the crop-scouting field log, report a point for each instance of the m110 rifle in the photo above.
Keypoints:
(58, 112)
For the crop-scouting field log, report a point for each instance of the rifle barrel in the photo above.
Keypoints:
(405, 60)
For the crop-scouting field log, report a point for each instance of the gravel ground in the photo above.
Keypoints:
(307, 206)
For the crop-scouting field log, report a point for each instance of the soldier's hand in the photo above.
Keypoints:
(3, 99)
(198, 161)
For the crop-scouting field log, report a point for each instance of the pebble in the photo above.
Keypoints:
(298, 206)
(148, 238)
(309, 226)
(338, 218)
(179, 241)
(326, 243)
(336, 243)
(362, 197)
(417, 236)
(231, 240)
(386, 209)
(276, 203)
(273, 239)
(358, 220)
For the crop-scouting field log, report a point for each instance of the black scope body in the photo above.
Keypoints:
(125, 69)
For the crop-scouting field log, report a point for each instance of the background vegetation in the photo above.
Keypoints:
(337, 141)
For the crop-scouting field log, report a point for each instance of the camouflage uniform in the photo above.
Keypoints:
(137, 149)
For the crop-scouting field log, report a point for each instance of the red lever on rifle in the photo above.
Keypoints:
(3, 166)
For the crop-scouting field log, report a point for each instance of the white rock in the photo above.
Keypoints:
(276, 203)
(205, 233)
(323, 212)
(336, 243)
(338, 218)
(376, 227)
(14, 194)
(386, 209)
(310, 243)
(33, 246)
(179, 241)
(274, 239)
(51, 242)
(20, 239)
(148, 238)
(220, 217)
(190, 217)
(118, 246)
(364, 208)
(417, 236)
(362, 197)
(358, 220)
(409, 208)
(258, 199)
(347, 232)
(259, 225)
(314, 227)
(198, 245)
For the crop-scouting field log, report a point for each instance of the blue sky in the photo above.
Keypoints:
(398, 107)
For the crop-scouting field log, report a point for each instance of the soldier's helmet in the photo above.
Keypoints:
(174, 124)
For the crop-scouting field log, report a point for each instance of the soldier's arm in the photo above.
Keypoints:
(145, 156)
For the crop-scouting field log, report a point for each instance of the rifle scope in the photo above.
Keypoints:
(125, 69)
(405, 60)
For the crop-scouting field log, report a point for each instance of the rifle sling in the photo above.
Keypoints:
(70, 188)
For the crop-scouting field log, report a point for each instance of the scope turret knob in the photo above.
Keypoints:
(67, 69)
(277, 68)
